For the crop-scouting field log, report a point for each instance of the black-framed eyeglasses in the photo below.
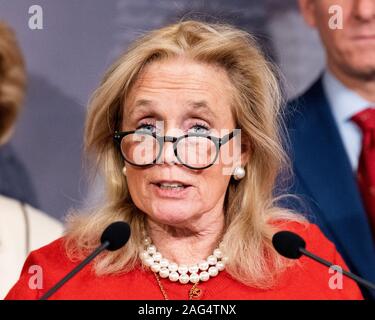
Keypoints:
(195, 151)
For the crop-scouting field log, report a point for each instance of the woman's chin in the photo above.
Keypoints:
(173, 213)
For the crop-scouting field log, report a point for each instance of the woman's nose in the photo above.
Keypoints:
(168, 156)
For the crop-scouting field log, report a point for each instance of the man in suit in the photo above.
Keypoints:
(331, 127)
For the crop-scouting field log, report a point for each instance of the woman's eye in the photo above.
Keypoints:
(146, 127)
(198, 128)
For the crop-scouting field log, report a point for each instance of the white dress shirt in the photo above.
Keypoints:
(344, 104)
(22, 229)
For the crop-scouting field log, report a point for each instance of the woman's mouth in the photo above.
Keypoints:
(171, 189)
(171, 186)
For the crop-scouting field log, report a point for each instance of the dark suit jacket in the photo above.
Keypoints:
(325, 182)
(14, 178)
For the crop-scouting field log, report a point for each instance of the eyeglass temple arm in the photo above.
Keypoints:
(229, 136)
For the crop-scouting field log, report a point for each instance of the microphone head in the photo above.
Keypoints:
(117, 234)
(288, 244)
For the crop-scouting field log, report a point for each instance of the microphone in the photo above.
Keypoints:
(114, 237)
(292, 246)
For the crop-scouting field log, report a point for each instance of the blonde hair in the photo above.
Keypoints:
(250, 205)
(12, 81)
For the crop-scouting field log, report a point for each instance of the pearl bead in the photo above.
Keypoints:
(174, 276)
(164, 272)
(173, 267)
(213, 271)
(147, 241)
(183, 268)
(144, 255)
(212, 260)
(182, 273)
(203, 265)
(149, 261)
(218, 253)
(157, 256)
(184, 278)
(155, 267)
(194, 278)
(220, 265)
(239, 173)
(204, 276)
(164, 263)
(194, 268)
(151, 249)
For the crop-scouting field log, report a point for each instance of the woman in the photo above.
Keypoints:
(196, 192)
(22, 227)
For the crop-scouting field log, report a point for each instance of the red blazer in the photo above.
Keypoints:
(305, 280)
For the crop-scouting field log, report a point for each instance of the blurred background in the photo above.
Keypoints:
(80, 39)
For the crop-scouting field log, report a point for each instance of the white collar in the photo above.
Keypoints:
(344, 102)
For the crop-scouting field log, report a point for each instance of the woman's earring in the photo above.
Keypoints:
(124, 171)
(239, 173)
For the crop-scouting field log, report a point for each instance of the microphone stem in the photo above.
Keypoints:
(346, 273)
(71, 274)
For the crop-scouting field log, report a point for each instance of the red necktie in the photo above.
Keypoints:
(366, 167)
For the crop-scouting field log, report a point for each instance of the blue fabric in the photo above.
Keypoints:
(14, 179)
(325, 182)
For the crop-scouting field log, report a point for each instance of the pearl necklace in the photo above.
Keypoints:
(202, 271)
